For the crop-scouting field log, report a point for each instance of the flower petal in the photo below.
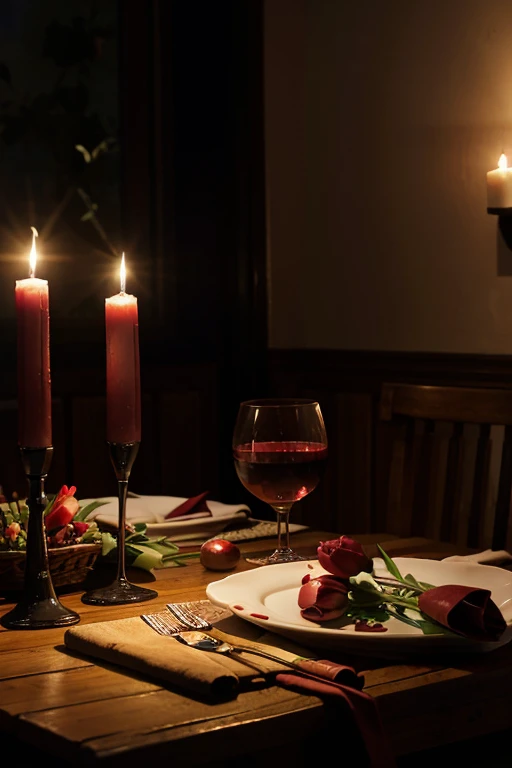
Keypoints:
(469, 611)
(343, 557)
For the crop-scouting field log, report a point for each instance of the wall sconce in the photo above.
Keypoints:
(499, 189)
(499, 198)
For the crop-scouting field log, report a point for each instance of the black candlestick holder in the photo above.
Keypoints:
(120, 591)
(39, 608)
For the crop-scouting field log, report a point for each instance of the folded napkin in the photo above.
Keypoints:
(498, 557)
(175, 517)
(133, 644)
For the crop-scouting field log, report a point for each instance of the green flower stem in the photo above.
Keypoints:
(181, 556)
(402, 617)
(387, 581)
(405, 602)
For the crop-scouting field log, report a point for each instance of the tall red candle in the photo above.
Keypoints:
(34, 383)
(123, 366)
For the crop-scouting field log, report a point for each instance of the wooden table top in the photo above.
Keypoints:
(82, 713)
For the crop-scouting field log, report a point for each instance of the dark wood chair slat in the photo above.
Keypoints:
(444, 480)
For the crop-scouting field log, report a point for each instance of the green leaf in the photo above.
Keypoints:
(409, 579)
(83, 151)
(146, 559)
(14, 511)
(92, 535)
(102, 147)
(427, 626)
(363, 597)
(136, 538)
(162, 549)
(179, 557)
(139, 527)
(108, 543)
(431, 628)
(51, 502)
(390, 565)
(418, 585)
(84, 512)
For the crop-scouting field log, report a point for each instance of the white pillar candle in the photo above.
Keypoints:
(499, 186)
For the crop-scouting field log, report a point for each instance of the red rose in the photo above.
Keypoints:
(63, 510)
(469, 611)
(322, 598)
(80, 528)
(343, 557)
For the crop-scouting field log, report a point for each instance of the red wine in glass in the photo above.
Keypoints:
(280, 453)
(278, 472)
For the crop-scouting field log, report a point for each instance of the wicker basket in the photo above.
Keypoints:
(68, 565)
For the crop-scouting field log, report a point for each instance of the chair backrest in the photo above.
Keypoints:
(444, 463)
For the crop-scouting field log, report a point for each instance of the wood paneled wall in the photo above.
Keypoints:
(179, 428)
(184, 450)
(347, 386)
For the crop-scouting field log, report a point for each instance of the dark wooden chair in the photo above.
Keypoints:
(444, 464)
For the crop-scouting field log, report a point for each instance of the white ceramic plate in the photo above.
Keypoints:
(272, 591)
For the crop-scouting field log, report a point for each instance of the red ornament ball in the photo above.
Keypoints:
(219, 555)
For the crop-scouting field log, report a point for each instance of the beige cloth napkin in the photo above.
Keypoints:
(132, 643)
(498, 557)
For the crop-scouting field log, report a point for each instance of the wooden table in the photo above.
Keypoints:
(82, 713)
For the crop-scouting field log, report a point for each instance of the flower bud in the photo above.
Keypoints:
(343, 557)
(63, 510)
(322, 598)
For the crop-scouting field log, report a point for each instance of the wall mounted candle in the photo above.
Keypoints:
(34, 385)
(499, 188)
(123, 366)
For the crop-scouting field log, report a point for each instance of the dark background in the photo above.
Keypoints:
(164, 101)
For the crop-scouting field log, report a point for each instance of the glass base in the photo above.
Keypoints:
(44, 614)
(120, 592)
(276, 557)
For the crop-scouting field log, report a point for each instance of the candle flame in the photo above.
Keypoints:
(33, 254)
(122, 273)
(502, 163)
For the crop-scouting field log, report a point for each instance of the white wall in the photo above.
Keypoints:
(382, 119)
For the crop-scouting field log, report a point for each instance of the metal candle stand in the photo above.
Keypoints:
(120, 591)
(504, 223)
(39, 608)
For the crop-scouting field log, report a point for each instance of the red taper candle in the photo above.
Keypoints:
(123, 366)
(34, 382)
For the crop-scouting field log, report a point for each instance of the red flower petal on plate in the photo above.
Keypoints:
(469, 611)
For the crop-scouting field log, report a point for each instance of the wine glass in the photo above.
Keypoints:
(280, 453)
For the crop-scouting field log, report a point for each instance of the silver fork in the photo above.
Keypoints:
(186, 616)
(166, 624)
(162, 623)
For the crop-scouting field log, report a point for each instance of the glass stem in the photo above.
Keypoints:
(283, 524)
(122, 487)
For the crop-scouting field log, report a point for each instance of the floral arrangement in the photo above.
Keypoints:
(66, 524)
(353, 590)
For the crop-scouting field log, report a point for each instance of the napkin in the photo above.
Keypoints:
(133, 644)
(498, 557)
(175, 517)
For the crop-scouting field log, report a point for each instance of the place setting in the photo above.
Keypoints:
(346, 601)
(308, 625)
